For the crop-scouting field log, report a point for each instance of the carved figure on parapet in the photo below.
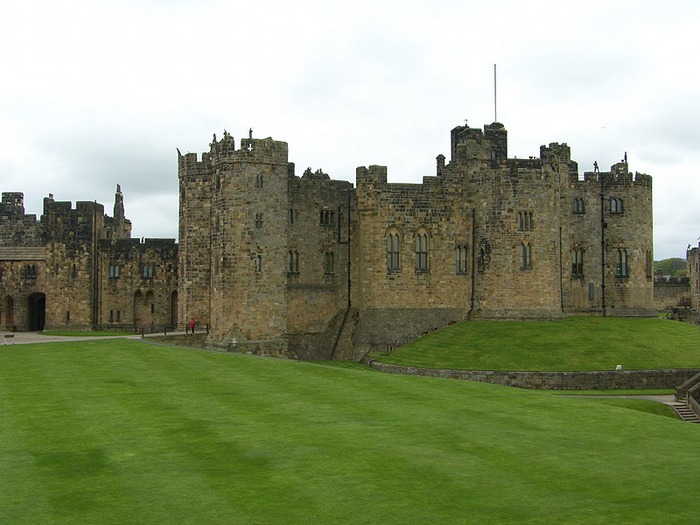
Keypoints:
(596, 169)
(316, 175)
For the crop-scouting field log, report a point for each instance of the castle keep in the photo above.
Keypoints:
(310, 267)
(270, 261)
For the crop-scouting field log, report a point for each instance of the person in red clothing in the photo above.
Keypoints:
(192, 325)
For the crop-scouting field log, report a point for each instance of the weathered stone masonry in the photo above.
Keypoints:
(486, 236)
(78, 268)
(311, 267)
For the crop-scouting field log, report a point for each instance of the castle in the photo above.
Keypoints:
(310, 267)
(78, 269)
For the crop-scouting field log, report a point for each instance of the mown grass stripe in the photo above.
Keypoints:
(170, 435)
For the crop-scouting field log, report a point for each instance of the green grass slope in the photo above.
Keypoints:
(116, 431)
(575, 343)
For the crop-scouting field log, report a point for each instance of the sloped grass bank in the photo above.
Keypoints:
(118, 431)
(574, 343)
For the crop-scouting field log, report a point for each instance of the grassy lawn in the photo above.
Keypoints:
(119, 431)
(575, 343)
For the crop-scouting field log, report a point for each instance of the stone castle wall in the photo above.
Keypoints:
(485, 236)
(277, 271)
(670, 292)
(138, 284)
(576, 380)
(54, 272)
(306, 266)
(195, 238)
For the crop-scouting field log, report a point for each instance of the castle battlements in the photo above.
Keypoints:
(616, 178)
(373, 176)
(81, 207)
(12, 204)
(148, 242)
(223, 153)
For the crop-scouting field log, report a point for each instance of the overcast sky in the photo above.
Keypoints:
(99, 93)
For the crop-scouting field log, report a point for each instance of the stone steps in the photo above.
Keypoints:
(684, 412)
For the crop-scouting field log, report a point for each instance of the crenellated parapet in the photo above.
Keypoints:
(618, 177)
(374, 176)
(468, 144)
(12, 204)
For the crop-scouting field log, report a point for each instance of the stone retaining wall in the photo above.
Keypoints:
(593, 380)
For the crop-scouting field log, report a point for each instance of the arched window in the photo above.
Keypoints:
(577, 262)
(329, 263)
(578, 205)
(615, 205)
(258, 220)
(421, 251)
(524, 220)
(621, 266)
(258, 263)
(292, 262)
(327, 218)
(392, 251)
(461, 258)
(525, 256)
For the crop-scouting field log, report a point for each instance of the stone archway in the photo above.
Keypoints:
(36, 312)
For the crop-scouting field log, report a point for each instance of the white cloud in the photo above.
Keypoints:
(96, 93)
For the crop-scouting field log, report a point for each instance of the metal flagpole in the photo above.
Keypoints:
(495, 113)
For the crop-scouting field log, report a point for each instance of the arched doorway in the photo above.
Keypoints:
(36, 308)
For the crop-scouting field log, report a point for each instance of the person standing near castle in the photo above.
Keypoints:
(193, 323)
